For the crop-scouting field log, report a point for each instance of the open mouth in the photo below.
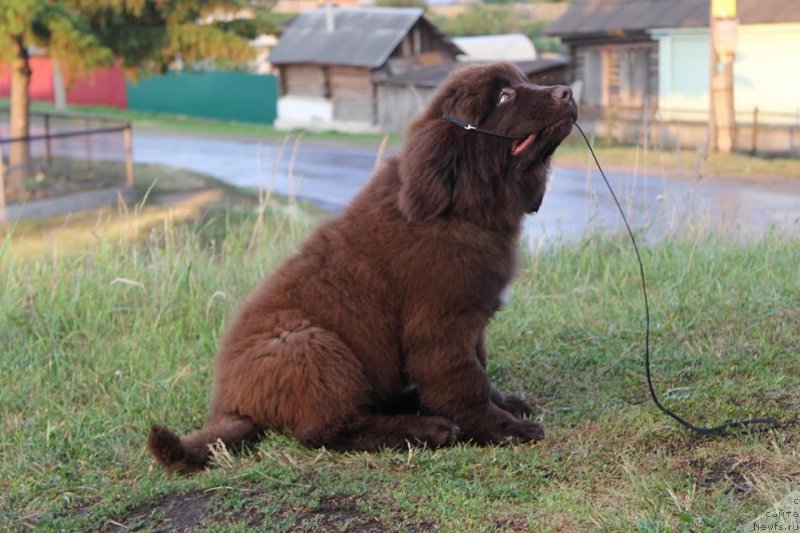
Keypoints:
(519, 147)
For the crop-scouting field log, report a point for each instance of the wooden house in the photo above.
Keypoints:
(330, 62)
(634, 53)
(612, 54)
(643, 68)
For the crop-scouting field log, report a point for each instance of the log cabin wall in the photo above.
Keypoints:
(304, 80)
(352, 93)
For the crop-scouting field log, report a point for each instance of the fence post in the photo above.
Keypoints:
(88, 145)
(48, 151)
(609, 112)
(2, 187)
(755, 130)
(130, 179)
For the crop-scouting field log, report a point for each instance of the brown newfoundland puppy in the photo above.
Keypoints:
(372, 335)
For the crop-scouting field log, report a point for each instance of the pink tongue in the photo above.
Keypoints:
(519, 147)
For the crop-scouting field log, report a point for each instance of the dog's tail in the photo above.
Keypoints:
(192, 453)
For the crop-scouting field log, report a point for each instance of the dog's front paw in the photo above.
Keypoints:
(525, 431)
(500, 427)
(511, 404)
(437, 431)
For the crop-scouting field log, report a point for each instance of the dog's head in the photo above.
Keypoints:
(492, 179)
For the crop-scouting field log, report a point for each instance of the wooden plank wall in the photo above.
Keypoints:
(304, 80)
(352, 94)
(398, 105)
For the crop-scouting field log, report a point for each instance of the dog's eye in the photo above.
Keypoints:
(505, 96)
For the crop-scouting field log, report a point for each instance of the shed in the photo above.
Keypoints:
(330, 60)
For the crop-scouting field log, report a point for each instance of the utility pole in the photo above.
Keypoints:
(723, 26)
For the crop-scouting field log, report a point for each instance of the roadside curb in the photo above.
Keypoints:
(68, 204)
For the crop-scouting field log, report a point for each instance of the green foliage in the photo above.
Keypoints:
(143, 34)
(496, 18)
(401, 3)
(480, 20)
(55, 26)
(266, 22)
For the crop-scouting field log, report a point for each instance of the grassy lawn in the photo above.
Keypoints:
(102, 339)
(683, 163)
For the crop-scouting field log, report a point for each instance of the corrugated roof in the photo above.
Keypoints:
(607, 17)
(585, 17)
(363, 37)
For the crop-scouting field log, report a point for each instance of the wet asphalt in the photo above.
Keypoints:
(329, 174)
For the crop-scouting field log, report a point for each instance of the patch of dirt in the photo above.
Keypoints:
(41, 186)
(510, 524)
(731, 471)
(189, 511)
(175, 512)
(336, 513)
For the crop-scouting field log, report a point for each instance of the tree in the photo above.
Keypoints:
(497, 17)
(144, 35)
(38, 22)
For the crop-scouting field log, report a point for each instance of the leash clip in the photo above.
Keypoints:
(469, 127)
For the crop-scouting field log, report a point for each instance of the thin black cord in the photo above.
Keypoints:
(752, 424)
(469, 127)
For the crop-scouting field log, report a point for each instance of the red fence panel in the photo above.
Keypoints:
(103, 86)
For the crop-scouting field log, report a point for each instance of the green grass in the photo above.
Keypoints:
(686, 163)
(99, 343)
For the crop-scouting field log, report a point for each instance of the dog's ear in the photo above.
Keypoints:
(428, 167)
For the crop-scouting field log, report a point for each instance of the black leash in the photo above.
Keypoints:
(752, 424)
(469, 127)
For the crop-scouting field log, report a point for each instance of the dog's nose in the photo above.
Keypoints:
(562, 93)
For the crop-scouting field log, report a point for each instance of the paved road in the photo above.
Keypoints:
(330, 174)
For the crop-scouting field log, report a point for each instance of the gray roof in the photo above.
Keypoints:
(363, 37)
(609, 17)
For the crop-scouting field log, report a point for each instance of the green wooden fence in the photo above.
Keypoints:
(223, 95)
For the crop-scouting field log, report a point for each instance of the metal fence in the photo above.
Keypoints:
(67, 153)
(757, 131)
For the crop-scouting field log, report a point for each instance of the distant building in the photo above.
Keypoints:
(657, 53)
(263, 45)
(299, 6)
(330, 62)
(654, 57)
(504, 47)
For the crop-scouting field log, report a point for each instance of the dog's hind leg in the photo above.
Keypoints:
(191, 453)
(374, 432)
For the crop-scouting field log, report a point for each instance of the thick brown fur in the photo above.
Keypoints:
(372, 335)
